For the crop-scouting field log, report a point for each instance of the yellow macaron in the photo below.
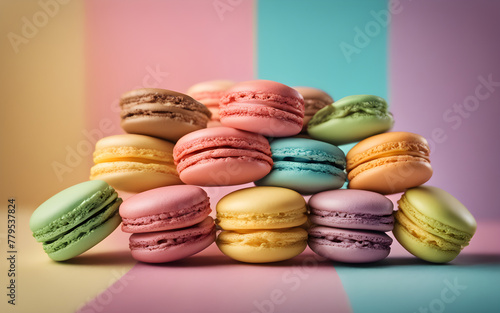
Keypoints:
(260, 224)
(134, 163)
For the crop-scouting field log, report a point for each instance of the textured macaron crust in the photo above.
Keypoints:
(262, 246)
(209, 93)
(389, 163)
(348, 245)
(134, 163)
(264, 107)
(353, 209)
(261, 208)
(432, 224)
(164, 208)
(76, 219)
(161, 113)
(221, 156)
(172, 245)
(314, 100)
(305, 165)
(351, 119)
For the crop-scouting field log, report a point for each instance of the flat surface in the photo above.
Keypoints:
(109, 280)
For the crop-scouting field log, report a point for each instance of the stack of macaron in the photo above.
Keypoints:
(285, 141)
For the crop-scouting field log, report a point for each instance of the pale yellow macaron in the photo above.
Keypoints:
(134, 163)
(262, 246)
(260, 224)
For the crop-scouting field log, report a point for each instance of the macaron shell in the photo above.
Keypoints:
(385, 145)
(69, 208)
(353, 209)
(165, 208)
(305, 178)
(67, 200)
(350, 119)
(160, 247)
(164, 127)
(390, 174)
(440, 209)
(85, 237)
(263, 120)
(161, 113)
(262, 246)
(261, 208)
(222, 156)
(418, 246)
(305, 165)
(135, 176)
(349, 246)
(265, 107)
(225, 171)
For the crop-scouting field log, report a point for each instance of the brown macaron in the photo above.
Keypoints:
(161, 113)
(314, 100)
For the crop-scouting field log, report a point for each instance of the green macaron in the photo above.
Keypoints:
(432, 224)
(351, 119)
(76, 219)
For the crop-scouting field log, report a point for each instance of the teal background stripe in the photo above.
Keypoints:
(409, 285)
(299, 43)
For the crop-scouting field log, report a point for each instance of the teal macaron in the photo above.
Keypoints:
(76, 219)
(305, 165)
(351, 119)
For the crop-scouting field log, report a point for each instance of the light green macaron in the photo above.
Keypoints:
(432, 224)
(351, 119)
(76, 219)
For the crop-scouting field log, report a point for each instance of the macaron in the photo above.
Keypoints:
(209, 94)
(76, 219)
(260, 224)
(222, 156)
(305, 165)
(349, 245)
(352, 209)
(351, 119)
(161, 113)
(263, 106)
(172, 245)
(314, 100)
(134, 163)
(164, 208)
(432, 224)
(389, 163)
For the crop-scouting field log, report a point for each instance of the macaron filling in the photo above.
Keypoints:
(344, 216)
(445, 232)
(64, 224)
(377, 243)
(202, 208)
(165, 243)
(289, 104)
(84, 229)
(374, 107)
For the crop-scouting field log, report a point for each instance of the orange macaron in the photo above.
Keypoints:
(389, 163)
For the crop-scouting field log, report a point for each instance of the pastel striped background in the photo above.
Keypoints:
(65, 64)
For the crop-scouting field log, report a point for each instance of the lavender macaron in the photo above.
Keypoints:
(353, 209)
(349, 225)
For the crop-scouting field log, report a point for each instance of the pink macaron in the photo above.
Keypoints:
(262, 106)
(164, 208)
(172, 245)
(222, 156)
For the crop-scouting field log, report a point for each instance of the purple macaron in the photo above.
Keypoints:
(348, 245)
(353, 209)
(349, 225)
